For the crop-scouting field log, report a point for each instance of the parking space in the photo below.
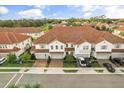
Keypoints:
(101, 61)
(40, 63)
(56, 63)
(4, 79)
(65, 81)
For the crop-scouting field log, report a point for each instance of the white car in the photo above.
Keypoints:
(2, 60)
(82, 61)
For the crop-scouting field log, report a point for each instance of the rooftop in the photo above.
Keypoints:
(77, 35)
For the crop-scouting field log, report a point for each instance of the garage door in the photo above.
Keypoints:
(41, 55)
(103, 55)
(57, 55)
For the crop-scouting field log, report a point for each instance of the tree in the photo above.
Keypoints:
(25, 57)
(69, 58)
(11, 58)
(46, 27)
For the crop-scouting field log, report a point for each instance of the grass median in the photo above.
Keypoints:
(9, 70)
(70, 71)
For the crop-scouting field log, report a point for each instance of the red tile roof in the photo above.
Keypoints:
(11, 37)
(20, 29)
(120, 29)
(77, 35)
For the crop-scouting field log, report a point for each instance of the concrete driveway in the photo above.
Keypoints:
(56, 63)
(101, 61)
(40, 63)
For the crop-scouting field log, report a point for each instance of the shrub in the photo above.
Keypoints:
(69, 58)
(11, 58)
(48, 60)
(27, 86)
(25, 57)
(36, 86)
(33, 57)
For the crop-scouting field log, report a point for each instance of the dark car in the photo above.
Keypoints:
(88, 62)
(109, 67)
(120, 61)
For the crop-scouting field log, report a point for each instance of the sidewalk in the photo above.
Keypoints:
(34, 70)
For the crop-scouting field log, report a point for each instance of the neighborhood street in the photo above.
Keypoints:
(64, 81)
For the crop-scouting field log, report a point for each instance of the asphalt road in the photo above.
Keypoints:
(65, 81)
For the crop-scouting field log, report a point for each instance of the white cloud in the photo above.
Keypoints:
(87, 14)
(40, 6)
(89, 8)
(114, 12)
(3, 10)
(54, 14)
(32, 13)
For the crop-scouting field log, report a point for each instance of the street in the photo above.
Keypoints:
(63, 81)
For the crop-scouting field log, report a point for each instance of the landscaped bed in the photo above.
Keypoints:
(9, 70)
(70, 71)
(28, 64)
(122, 70)
(95, 64)
(99, 70)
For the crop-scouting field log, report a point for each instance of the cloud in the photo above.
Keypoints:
(90, 8)
(31, 13)
(3, 10)
(114, 12)
(87, 14)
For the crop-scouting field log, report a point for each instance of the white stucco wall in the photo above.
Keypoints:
(56, 43)
(99, 45)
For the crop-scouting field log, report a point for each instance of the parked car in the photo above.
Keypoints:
(109, 67)
(82, 61)
(2, 60)
(88, 62)
(120, 61)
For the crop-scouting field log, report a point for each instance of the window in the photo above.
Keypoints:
(71, 45)
(56, 47)
(61, 47)
(42, 46)
(117, 46)
(104, 47)
(85, 47)
(66, 45)
(51, 47)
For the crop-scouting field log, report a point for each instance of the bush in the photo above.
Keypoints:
(48, 60)
(69, 59)
(11, 58)
(25, 57)
(33, 57)
(36, 86)
(27, 86)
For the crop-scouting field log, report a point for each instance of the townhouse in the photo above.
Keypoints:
(29, 31)
(80, 41)
(11, 42)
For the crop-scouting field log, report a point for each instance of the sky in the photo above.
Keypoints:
(60, 11)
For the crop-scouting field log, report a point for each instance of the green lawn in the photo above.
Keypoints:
(70, 71)
(17, 65)
(9, 70)
(95, 64)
